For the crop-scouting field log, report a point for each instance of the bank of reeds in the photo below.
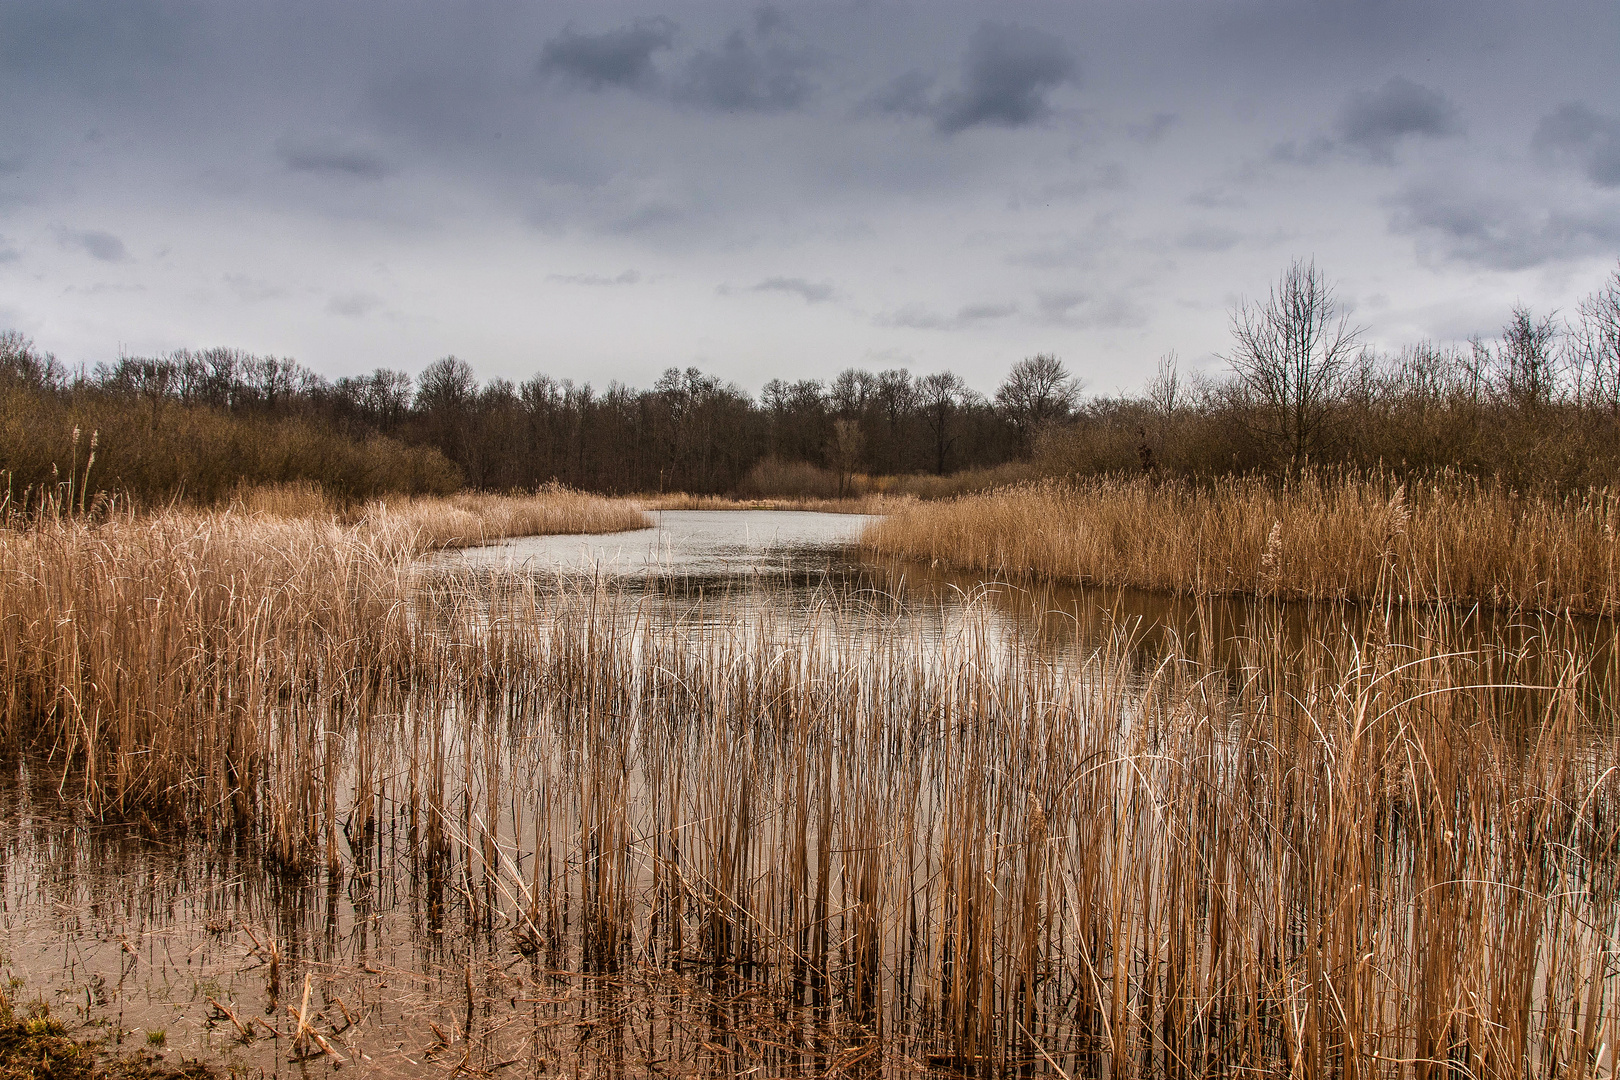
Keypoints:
(854, 504)
(461, 520)
(1365, 860)
(470, 518)
(128, 644)
(1325, 536)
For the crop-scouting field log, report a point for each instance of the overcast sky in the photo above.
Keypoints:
(599, 191)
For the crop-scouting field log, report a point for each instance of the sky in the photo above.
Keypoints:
(603, 190)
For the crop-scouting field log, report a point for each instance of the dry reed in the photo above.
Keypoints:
(1368, 860)
(856, 504)
(1325, 536)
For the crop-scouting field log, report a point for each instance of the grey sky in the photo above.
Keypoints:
(603, 190)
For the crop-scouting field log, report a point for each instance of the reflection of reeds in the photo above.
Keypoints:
(1326, 536)
(1366, 859)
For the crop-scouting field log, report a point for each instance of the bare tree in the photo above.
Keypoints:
(845, 451)
(1164, 390)
(1595, 346)
(941, 394)
(852, 391)
(1526, 362)
(1290, 355)
(1037, 391)
(20, 362)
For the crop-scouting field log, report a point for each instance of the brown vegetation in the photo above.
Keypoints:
(470, 519)
(802, 484)
(1368, 859)
(855, 504)
(138, 630)
(162, 451)
(1326, 535)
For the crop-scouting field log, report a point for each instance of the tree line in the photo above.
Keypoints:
(1538, 404)
(201, 422)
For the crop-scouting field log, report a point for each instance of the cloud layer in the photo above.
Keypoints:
(609, 190)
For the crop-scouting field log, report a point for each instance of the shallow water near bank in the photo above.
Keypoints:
(417, 966)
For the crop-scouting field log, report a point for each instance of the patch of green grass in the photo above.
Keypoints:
(35, 1046)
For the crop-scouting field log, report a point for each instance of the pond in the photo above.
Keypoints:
(485, 927)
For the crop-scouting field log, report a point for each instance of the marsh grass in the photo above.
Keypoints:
(1324, 536)
(832, 853)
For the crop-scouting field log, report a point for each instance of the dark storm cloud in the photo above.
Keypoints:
(330, 156)
(621, 57)
(93, 242)
(1006, 77)
(1499, 232)
(1375, 121)
(761, 69)
(813, 292)
(748, 75)
(8, 253)
(1575, 134)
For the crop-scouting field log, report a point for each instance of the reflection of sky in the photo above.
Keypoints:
(684, 543)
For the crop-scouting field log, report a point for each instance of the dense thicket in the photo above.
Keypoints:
(1538, 405)
(188, 426)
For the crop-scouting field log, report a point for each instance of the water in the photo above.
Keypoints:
(703, 545)
(415, 968)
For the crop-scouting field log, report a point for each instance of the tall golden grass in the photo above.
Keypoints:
(1368, 859)
(469, 519)
(461, 520)
(1324, 536)
(151, 647)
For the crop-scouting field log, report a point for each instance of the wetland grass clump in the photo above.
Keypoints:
(828, 853)
(1325, 535)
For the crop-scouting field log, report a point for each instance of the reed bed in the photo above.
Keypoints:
(135, 640)
(461, 520)
(470, 519)
(1324, 536)
(854, 504)
(828, 852)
